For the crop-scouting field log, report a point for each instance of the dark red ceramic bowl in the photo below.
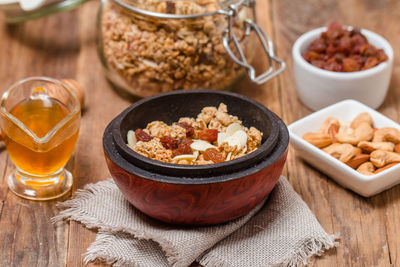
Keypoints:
(196, 195)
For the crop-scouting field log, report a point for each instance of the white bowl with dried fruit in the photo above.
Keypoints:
(327, 73)
(353, 144)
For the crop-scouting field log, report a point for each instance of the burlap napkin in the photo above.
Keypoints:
(282, 232)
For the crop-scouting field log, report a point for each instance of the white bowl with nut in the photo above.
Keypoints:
(353, 144)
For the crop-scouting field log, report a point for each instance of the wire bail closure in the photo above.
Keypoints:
(276, 65)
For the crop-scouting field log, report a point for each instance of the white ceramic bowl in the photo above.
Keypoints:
(318, 88)
(345, 110)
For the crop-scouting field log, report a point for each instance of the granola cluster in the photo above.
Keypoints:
(152, 55)
(214, 136)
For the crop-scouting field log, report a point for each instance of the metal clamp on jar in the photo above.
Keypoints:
(148, 47)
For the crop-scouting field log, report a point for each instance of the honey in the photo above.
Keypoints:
(40, 116)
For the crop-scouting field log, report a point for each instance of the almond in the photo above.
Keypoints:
(397, 148)
(332, 131)
(386, 167)
(358, 160)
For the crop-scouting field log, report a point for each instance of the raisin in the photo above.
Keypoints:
(209, 135)
(371, 62)
(344, 44)
(142, 135)
(318, 63)
(339, 49)
(213, 154)
(183, 147)
(311, 55)
(169, 142)
(189, 129)
(318, 46)
(350, 64)
(381, 55)
(170, 7)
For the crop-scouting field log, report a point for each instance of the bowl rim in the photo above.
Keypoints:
(313, 34)
(273, 157)
(188, 170)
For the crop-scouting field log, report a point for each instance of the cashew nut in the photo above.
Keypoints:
(319, 140)
(343, 152)
(361, 118)
(381, 158)
(387, 134)
(371, 146)
(364, 132)
(366, 168)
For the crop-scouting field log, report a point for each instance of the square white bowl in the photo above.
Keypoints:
(345, 110)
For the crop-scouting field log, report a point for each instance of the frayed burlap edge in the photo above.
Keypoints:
(73, 212)
(97, 250)
(310, 248)
(299, 257)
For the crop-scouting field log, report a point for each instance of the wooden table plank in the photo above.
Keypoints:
(34, 49)
(360, 221)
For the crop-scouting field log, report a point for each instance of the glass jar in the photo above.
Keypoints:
(153, 46)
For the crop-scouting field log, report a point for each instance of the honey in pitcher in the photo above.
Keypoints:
(40, 115)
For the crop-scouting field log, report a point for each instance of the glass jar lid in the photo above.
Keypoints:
(22, 10)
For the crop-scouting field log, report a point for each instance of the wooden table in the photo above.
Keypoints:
(63, 46)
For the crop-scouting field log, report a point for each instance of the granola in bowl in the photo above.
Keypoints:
(213, 136)
(145, 55)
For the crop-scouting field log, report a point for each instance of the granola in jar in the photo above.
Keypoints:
(213, 136)
(145, 55)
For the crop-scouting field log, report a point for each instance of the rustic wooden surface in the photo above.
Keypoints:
(63, 46)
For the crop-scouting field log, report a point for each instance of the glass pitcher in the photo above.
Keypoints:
(39, 121)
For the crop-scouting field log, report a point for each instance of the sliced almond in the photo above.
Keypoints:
(238, 139)
(131, 138)
(221, 138)
(191, 157)
(358, 160)
(201, 145)
(232, 128)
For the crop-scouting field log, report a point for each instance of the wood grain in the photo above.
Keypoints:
(63, 46)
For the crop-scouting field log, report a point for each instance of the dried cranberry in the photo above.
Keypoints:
(142, 135)
(189, 129)
(209, 135)
(169, 142)
(213, 154)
